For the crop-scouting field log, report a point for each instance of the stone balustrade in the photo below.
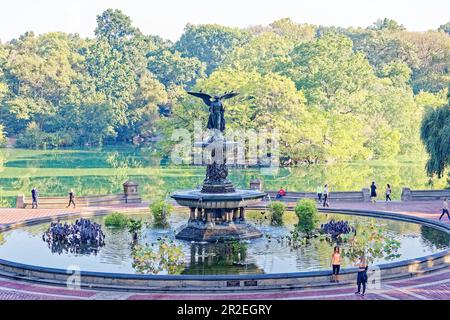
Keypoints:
(417, 195)
(363, 195)
(130, 195)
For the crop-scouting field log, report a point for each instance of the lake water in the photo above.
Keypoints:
(103, 170)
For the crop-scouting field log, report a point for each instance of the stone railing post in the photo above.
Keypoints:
(406, 194)
(366, 194)
(256, 184)
(20, 201)
(130, 190)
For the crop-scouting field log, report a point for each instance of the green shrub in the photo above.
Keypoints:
(118, 220)
(160, 211)
(306, 212)
(276, 210)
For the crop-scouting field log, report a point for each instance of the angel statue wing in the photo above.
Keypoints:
(229, 95)
(205, 97)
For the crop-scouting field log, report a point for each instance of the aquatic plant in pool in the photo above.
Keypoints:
(165, 255)
(276, 210)
(117, 220)
(371, 241)
(160, 210)
(81, 236)
(306, 212)
(336, 228)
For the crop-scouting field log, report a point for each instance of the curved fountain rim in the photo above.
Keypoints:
(305, 274)
(196, 194)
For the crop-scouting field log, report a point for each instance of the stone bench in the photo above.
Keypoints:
(88, 201)
(362, 195)
(412, 195)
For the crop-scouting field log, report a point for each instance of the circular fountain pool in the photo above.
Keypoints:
(274, 253)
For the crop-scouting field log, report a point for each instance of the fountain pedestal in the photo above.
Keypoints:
(217, 210)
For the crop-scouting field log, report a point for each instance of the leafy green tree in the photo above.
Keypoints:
(32, 137)
(210, 43)
(2, 136)
(334, 93)
(445, 28)
(115, 61)
(433, 51)
(428, 99)
(39, 73)
(296, 32)
(344, 143)
(265, 101)
(113, 77)
(435, 133)
(171, 68)
(398, 72)
(114, 26)
(262, 53)
(95, 124)
(327, 69)
(383, 47)
(389, 24)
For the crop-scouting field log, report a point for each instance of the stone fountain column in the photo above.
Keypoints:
(235, 214)
(242, 214)
(199, 214)
(230, 216)
(192, 214)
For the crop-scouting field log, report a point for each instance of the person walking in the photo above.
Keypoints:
(362, 275)
(388, 192)
(325, 196)
(336, 264)
(373, 192)
(71, 198)
(445, 209)
(34, 198)
(319, 193)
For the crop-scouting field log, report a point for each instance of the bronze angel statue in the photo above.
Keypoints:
(216, 118)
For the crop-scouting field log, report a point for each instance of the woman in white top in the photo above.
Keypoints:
(444, 209)
(325, 196)
(388, 192)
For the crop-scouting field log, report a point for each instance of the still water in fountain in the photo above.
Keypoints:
(269, 254)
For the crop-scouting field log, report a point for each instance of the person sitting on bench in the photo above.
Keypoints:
(281, 193)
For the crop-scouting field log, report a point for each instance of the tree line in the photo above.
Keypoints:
(334, 93)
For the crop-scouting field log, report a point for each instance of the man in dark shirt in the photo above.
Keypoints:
(34, 198)
(71, 198)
